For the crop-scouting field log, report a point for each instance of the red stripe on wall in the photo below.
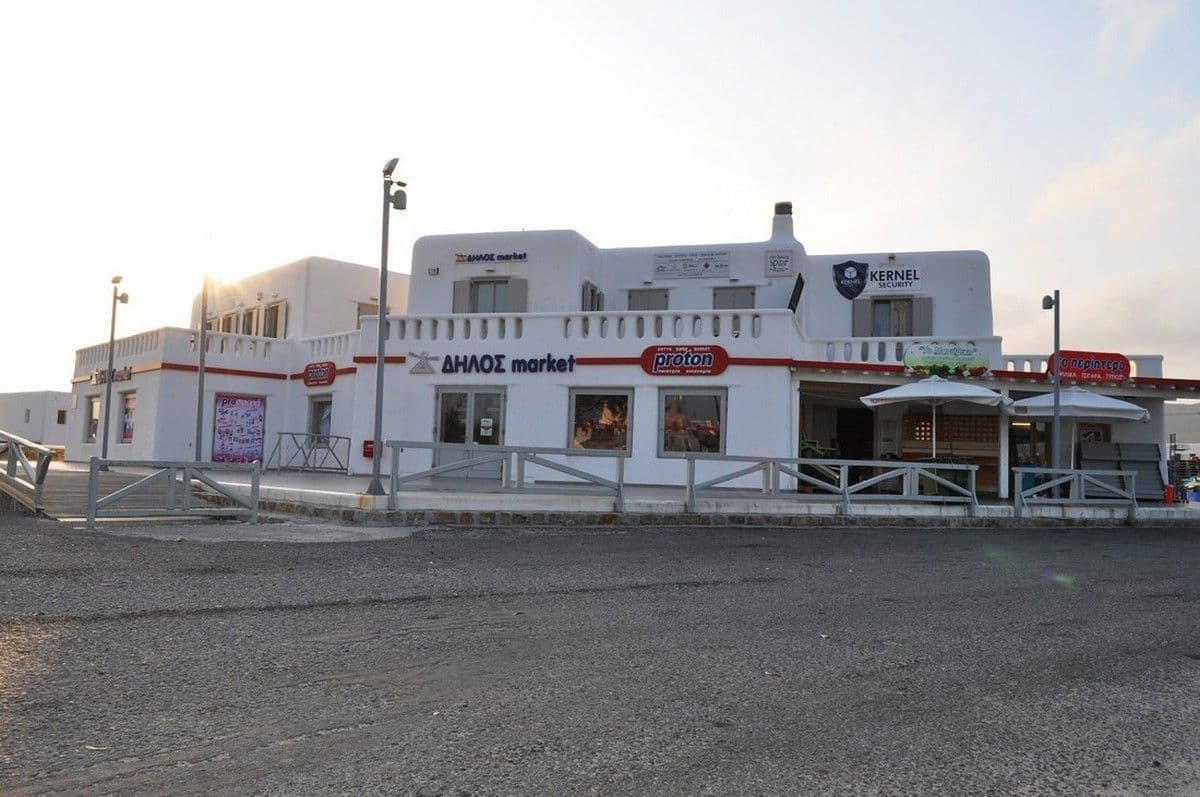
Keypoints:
(843, 366)
(394, 359)
(210, 369)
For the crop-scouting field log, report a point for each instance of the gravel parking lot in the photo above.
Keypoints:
(556, 661)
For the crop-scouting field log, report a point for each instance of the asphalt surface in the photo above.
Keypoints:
(721, 661)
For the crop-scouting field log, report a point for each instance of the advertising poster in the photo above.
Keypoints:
(238, 428)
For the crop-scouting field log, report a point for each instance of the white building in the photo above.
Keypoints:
(39, 416)
(543, 339)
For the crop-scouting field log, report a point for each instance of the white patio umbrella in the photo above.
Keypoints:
(1075, 403)
(935, 392)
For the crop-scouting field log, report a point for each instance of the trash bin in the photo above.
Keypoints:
(1168, 494)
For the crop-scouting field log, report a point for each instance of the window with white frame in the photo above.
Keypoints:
(272, 321)
(489, 296)
(320, 418)
(91, 420)
(648, 299)
(592, 299)
(691, 419)
(600, 418)
(128, 409)
(733, 298)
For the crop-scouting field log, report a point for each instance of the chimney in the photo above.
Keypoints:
(781, 225)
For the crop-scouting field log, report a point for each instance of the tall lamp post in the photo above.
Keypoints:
(1054, 303)
(398, 200)
(200, 371)
(123, 298)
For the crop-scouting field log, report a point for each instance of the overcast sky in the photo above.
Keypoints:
(161, 140)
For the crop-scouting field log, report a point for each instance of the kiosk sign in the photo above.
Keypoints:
(319, 374)
(946, 359)
(1091, 366)
(684, 360)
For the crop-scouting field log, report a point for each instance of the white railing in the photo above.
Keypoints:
(690, 325)
(330, 345)
(511, 463)
(175, 480)
(1149, 365)
(845, 480)
(890, 350)
(1083, 488)
(21, 479)
(231, 345)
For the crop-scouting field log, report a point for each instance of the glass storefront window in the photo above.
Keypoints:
(600, 419)
(691, 420)
(128, 408)
(93, 419)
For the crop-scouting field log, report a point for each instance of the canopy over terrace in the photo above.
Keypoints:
(934, 392)
(1076, 403)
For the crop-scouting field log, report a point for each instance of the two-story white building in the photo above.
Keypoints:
(543, 339)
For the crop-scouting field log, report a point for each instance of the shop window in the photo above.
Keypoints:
(691, 421)
(600, 419)
(273, 321)
(92, 419)
(320, 418)
(128, 408)
(893, 317)
(649, 299)
(592, 299)
(62, 417)
(738, 298)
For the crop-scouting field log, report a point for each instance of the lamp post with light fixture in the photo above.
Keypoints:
(1054, 303)
(122, 298)
(203, 335)
(397, 200)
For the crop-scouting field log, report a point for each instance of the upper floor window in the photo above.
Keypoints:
(892, 317)
(592, 299)
(227, 322)
(491, 295)
(738, 298)
(248, 322)
(648, 299)
(273, 321)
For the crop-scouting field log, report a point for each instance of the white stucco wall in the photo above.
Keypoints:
(34, 416)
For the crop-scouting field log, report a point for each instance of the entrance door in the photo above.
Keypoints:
(474, 416)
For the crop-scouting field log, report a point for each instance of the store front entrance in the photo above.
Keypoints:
(473, 416)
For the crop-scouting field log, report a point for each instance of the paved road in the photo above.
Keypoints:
(550, 662)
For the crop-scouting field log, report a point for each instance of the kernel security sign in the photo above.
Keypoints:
(684, 360)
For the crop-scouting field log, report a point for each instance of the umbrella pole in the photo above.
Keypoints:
(933, 408)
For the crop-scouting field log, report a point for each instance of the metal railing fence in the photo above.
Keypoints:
(176, 480)
(1084, 488)
(304, 451)
(845, 479)
(512, 461)
(23, 479)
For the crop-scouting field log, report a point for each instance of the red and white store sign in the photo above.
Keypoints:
(685, 360)
(1091, 366)
(319, 374)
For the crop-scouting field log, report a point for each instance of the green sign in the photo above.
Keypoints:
(946, 359)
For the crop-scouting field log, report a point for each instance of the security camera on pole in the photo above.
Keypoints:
(398, 200)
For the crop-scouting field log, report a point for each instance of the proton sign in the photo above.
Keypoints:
(684, 360)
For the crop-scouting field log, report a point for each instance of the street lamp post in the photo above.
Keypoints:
(123, 298)
(398, 200)
(203, 334)
(1054, 303)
